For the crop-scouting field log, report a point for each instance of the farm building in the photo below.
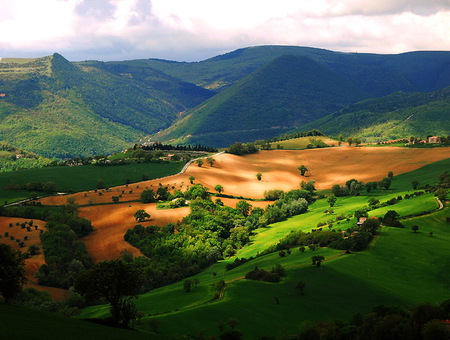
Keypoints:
(434, 140)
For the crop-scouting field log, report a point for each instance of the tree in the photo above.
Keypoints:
(371, 225)
(302, 169)
(308, 186)
(187, 284)
(441, 194)
(141, 215)
(390, 174)
(210, 161)
(113, 281)
(331, 200)
(244, 207)
(218, 188)
(317, 260)
(415, 228)
(385, 183)
(415, 184)
(191, 179)
(350, 141)
(259, 176)
(12, 272)
(115, 199)
(199, 162)
(148, 196)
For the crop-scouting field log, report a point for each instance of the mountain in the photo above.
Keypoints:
(398, 115)
(377, 74)
(61, 109)
(289, 91)
(57, 108)
(254, 106)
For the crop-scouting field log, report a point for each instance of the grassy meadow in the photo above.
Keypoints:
(81, 178)
(400, 268)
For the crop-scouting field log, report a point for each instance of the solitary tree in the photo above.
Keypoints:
(317, 260)
(115, 281)
(302, 169)
(415, 184)
(259, 176)
(218, 188)
(199, 162)
(332, 200)
(141, 215)
(12, 272)
(210, 161)
(415, 228)
(191, 179)
(115, 199)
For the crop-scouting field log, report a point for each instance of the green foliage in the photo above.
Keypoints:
(113, 281)
(398, 115)
(141, 215)
(88, 109)
(12, 273)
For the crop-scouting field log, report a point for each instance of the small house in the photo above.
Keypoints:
(361, 221)
(434, 140)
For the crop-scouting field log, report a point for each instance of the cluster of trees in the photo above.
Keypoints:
(160, 146)
(46, 187)
(274, 275)
(354, 187)
(65, 254)
(242, 148)
(354, 239)
(421, 322)
(210, 232)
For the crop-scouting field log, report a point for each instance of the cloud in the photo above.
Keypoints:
(197, 29)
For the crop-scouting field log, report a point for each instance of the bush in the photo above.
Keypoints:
(262, 275)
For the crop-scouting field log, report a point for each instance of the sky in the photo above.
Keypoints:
(194, 30)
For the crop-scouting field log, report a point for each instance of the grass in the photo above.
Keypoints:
(301, 142)
(400, 268)
(81, 178)
(22, 323)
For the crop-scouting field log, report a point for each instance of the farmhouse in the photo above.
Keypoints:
(2, 95)
(434, 140)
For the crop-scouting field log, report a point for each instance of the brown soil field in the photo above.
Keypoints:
(33, 263)
(112, 221)
(237, 174)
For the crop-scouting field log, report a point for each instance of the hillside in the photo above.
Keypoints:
(60, 109)
(56, 108)
(398, 115)
(288, 92)
(376, 74)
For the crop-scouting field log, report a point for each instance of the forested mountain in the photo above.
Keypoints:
(288, 92)
(398, 115)
(377, 74)
(61, 109)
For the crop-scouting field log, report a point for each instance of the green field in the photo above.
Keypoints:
(81, 178)
(18, 323)
(400, 268)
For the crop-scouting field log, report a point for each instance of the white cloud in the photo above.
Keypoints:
(196, 29)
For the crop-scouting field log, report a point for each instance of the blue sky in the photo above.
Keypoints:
(193, 30)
